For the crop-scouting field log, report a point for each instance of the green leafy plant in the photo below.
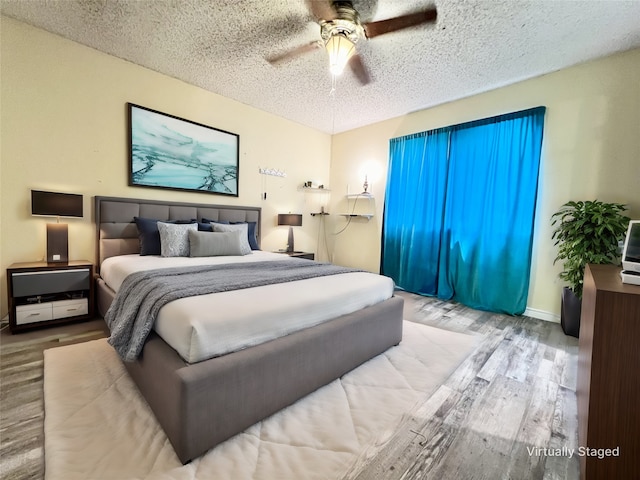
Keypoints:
(587, 232)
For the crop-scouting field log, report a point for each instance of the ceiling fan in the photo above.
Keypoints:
(341, 29)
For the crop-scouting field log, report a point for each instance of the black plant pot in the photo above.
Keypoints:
(570, 312)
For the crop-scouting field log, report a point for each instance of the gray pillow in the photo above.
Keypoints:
(174, 238)
(239, 227)
(213, 244)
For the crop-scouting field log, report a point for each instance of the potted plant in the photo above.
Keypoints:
(587, 232)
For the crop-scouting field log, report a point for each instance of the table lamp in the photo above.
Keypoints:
(293, 220)
(56, 205)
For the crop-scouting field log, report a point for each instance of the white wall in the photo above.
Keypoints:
(591, 149)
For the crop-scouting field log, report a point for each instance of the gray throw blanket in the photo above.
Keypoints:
(135, 307)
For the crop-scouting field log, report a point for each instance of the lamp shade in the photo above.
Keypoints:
(56, 204)
(291, 219)
(340, 50)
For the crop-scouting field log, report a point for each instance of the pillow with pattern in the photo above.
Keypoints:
(149, 235)
(174, 238)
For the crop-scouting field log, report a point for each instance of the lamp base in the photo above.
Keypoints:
(290, 241)
(57, 243)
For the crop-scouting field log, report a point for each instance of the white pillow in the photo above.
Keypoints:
(239, 227)
(174, 238)
(213, 244)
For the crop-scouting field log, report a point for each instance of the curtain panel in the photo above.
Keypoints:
(414, 210)
(459, 211)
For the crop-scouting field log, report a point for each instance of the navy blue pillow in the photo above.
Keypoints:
(223, 222)
(203, 226)
(149, 234)
(251, 231)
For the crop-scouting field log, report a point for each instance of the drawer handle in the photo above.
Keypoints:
(34, 314)
(71, 309)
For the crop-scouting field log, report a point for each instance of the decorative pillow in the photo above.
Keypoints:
(251, 234)
(223, 222)
(241, 227)
(174, 238)
(213, 244)
(204, 227)
(149, 235)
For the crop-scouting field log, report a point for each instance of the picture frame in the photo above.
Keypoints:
(174, 153)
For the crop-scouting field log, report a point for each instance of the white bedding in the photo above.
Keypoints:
(206, 326)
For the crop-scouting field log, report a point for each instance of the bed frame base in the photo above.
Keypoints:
(201, 405)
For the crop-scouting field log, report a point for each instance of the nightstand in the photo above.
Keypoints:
(306, 255)
(42, 294)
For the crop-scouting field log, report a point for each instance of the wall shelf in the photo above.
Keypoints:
(352, 199)
(313, 190)
(368, 216)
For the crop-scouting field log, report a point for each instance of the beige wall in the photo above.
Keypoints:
(64, 128)
(591, 149)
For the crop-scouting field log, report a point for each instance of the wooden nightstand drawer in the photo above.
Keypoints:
(44, 282)
(70, 308)
(37, 312)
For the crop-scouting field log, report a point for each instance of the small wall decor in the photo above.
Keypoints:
(170, 152)
(272, 171)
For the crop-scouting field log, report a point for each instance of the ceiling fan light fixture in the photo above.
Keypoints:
(340, 50)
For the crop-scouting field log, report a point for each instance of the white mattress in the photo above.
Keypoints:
(211, 325)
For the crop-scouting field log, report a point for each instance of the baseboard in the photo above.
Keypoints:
(542, 315)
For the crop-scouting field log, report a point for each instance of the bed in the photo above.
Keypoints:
(200, 401)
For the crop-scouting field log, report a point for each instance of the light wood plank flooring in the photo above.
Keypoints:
(21, 394)
(515, 392)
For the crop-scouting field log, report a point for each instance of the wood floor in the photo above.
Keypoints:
(21, 394)
(514, 393)
(513, 397)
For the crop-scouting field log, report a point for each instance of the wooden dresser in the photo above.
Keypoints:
(608, 389)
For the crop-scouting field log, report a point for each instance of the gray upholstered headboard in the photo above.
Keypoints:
(117, 234)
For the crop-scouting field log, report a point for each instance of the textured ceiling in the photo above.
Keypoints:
(221, 45)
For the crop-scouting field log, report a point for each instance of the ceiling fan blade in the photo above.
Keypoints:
(373, 29)
(359, 69)
(321, 9)
(291, 54)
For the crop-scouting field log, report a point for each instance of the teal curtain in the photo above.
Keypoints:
(470, 217)
(413, 223)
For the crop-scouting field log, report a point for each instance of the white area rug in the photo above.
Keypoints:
(97, 425)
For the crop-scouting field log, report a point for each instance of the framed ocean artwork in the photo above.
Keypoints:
(170, 152)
